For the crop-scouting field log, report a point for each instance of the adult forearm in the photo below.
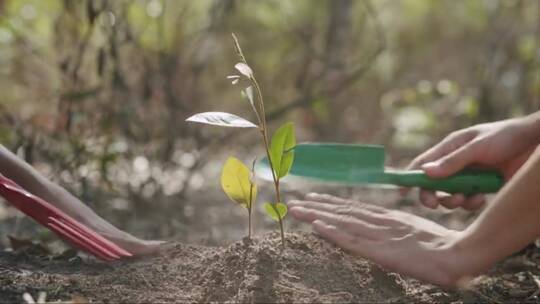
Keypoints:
(508, 224)
(22, 173)
(532, 124)
(31, 180)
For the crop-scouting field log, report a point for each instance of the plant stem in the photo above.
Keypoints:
(267, 147)
(262, 121)
(249, 223)
(261, 103)
(281, 230)
(276, 184)
(251, 185)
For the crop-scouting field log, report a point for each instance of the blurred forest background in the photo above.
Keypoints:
(94, 93)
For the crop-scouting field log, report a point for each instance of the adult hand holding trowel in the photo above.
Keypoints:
(423, 249)
(503, 146)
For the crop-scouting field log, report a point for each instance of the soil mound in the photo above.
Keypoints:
(308, 270)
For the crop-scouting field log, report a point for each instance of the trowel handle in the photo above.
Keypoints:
(468, 181)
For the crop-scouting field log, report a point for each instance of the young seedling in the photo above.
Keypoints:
(280, 157)
(235, 178)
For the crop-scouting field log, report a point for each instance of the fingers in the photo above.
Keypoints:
(452, 201)
(447, 146)
(353, 225)
(429, 199)
(430, 155)
(330, 199)
(345, 240)
(453, 162)
(443, 167)
(474, 202)
(149, 247)
(345, 210)
(375, 214)
(432, 200)
(326, 198)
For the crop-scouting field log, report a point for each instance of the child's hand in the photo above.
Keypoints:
(503, 145)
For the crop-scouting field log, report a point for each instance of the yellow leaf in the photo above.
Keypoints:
(236, 182)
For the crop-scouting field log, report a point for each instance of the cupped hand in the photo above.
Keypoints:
(503, 146)
(396, 240)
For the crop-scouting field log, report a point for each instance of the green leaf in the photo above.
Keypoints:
(277, 211)
(221, 119)
(237, 184)
(281, 152)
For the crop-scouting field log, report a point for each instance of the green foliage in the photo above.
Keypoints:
(237, 184)
(276, 211)
(281, 153)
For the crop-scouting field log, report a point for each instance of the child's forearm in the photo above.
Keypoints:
(508, 224)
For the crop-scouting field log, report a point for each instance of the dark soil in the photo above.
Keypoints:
(308, 270)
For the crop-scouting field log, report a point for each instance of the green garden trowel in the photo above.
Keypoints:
(364, 164)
